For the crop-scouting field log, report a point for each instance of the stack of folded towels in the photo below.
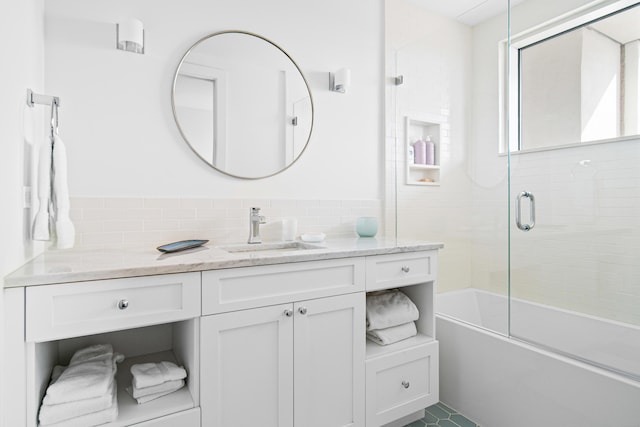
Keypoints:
(390, 317)
(83, 394)
(154, 380)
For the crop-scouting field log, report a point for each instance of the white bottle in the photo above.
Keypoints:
(410, 155)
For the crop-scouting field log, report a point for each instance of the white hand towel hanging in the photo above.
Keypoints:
(41, 223)
(65, 231)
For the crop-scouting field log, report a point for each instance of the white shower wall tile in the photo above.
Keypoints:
(153, 221)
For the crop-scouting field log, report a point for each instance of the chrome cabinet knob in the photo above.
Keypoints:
(123, 304)
(405, 268)
(302, 310)
(288, 313)
(406, 384)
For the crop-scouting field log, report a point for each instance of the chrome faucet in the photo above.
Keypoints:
(255, 219)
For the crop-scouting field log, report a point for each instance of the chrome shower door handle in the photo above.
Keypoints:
(532, 212)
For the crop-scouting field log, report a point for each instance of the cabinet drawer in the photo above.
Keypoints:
(389, 271)
(248, 287)
(190, 418)
(83, 308)
(401, 383)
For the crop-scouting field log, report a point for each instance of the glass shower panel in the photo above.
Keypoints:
(442, 87)
(574, 268)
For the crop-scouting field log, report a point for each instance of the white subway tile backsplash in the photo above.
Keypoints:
(227, 203)
(153, 221)
(162, 203)
(196, 203)
(123, 203)
(173, 213)
(88, 203)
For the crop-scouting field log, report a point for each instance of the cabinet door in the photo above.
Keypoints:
(247, 368)
(329, 354)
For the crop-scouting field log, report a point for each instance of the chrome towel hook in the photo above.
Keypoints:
(55, 119)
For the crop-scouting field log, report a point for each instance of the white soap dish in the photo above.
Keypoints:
(312, 237)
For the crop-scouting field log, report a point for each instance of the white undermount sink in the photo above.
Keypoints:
(264, 248)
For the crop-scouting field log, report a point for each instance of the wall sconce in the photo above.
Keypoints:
(130, 36)
(340, 80)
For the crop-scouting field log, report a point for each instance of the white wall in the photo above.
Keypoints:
(21, 44)
(116, 114)
(433, 54)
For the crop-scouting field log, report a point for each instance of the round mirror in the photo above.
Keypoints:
(242, 104)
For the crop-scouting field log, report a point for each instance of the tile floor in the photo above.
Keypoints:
(440, 415)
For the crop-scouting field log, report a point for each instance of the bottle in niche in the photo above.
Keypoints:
(420, 152)
(410, 154)
(430, 152)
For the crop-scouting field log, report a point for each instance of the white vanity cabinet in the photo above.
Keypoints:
(402, 378)
(299, 362)
(275, 345)
(147, 319)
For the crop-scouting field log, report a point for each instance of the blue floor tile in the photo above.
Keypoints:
(436, 411)
(446, 408)
(440, 415)
(462, 421)
(429, 419)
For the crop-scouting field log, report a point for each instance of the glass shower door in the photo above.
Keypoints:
(575, 195)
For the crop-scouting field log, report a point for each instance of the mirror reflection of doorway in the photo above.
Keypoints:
(201, 104)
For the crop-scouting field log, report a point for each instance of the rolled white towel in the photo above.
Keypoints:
(147, 397)
(389, 308)
(51, 414)
(393, 334)
(150, 374)
(93, 419)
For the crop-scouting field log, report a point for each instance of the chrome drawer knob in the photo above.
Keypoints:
(302, 310)
(405, 268)
(288, 313)
(123, 304)
(406, 384)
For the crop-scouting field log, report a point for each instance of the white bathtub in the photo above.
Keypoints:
(502, 382)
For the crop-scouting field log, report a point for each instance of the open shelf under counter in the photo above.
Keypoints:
(376, 350)
(130, 412)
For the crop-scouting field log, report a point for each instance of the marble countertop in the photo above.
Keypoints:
(75, 265)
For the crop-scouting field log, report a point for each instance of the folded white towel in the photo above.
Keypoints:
(93, 419)
(56, 372)
(393, 334)
(51, 414)
(389, 308)
(150, 374)
(89, 375)
(65, 231)
(147, 397)
(169, 385)
(92, 353)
